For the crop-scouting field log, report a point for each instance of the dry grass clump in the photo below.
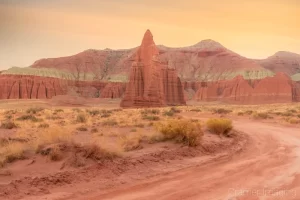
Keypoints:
(150, 111)
(110, 122)
(50, 136)
(151, 117)
(81, 118)
(219, 125)
(181, 130)
(29, 117)
(55, 154)
(249, 112)
(293, 121)
(130, 143)
(171, 112)
(93, 112)
(54, 117)
(195, 110)
(95, 152)
(94, 130)
(8, 124)
(261, 115)
(58, 110)
(44, 125)
(34, 110)
(140, 125)
(221, 111)
(82, 128)
(11, 151)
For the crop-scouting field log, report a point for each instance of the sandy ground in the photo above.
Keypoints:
(267, 169)
(263, 162)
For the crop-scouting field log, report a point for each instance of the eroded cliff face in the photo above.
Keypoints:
(36, 87)
(277, 89)
(30, 87)
(151, 83)
(113, 90)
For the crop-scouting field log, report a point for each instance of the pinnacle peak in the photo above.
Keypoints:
(148, 34)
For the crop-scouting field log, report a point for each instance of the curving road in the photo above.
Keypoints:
(268, 169)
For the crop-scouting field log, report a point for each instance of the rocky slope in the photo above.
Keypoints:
(286, 62)
(205, 61)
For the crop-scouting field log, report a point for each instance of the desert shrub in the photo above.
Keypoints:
(11, 152)
(248, 112)
(8, 117)
(76, 110)
(8, 125)
(294, 121)
(150, 124)
(182, 131)
(81, 118)
(261, 115)
(130, 143)
(140, 125)
(81, 128)
(43, 125)
(52, 135)
(105, 115)
(34, 110)
(151, 117)
(110, 122)
(94, 130)
(10, 112)
(240, 113)
(292, 110)
(175, 110)
(150, 111)
(29, 118)
(221, 111)
(168, 113)
(195, 110)
(53, 117)
(287, 114)
(55, 154)
(95, 152)
(133, 130)
(219, 125)
(298, 116)
(58, 110)
(93, 112)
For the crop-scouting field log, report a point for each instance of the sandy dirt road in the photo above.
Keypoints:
(269, 168)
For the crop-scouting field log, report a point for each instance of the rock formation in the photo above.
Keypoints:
(30, 87)
(113, 90)
(277, 89)
(282, 61)
(151, 83)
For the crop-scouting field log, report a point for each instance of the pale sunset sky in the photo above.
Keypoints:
(34, 29)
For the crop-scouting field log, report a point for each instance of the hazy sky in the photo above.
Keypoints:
(33, 29)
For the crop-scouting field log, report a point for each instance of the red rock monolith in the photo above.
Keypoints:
(151, 83)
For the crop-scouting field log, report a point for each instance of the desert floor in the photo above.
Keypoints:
(93, 149)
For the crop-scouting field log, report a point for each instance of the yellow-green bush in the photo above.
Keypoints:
(181, 130)
(219, 125)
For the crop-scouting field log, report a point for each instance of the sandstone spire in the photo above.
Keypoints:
(151, 83)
